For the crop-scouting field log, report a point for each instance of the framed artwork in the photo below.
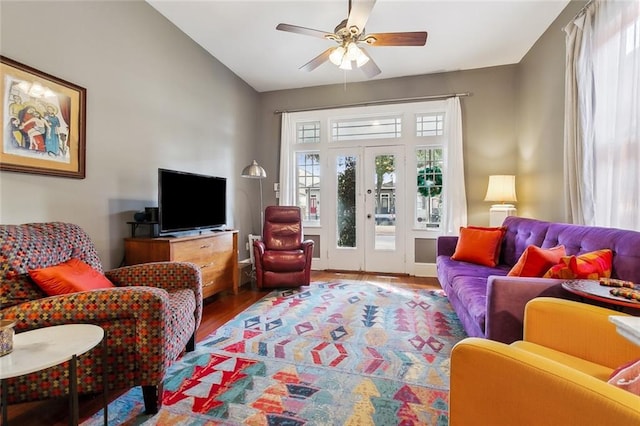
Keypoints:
(43, 122)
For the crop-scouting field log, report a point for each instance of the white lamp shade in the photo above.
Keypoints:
(344, 56)
(501, 188)
(336, 56)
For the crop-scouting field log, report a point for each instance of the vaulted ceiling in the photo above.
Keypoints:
(461, 35)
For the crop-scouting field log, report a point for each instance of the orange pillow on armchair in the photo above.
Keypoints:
(71, 276)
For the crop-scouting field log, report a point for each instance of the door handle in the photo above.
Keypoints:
(369, 216)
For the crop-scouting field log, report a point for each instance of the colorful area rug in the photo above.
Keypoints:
(333, 353)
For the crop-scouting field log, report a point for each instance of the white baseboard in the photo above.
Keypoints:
(425, 270)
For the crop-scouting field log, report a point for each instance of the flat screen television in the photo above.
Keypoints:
(190, 201)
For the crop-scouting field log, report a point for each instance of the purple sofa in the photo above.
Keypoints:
(490, 304)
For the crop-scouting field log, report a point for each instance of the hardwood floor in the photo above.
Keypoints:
(217, 311)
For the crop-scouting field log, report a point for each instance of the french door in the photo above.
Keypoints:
(367, 211)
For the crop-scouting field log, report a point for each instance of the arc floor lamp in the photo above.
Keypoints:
(255, 171)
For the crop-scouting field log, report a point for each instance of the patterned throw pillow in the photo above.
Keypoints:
(535, 261)
(69, 277)
(479, 245)
(590, 266)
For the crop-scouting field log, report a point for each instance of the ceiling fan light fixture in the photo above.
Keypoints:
(353, 51)
(337, 55)
(355, 54)
(346, 64)
(350, 36)
(362, 58)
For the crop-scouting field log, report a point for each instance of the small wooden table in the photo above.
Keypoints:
(42, 348)
(592, 289)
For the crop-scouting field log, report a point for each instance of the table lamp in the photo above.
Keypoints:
(502, 188)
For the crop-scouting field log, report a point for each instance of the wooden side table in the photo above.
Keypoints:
(42, 348)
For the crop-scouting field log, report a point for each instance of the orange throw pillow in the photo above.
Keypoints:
(589, 266)
(479, 246)
(535, 261)
(71, 276)
(493, 228)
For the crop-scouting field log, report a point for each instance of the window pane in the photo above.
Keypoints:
(346, 203)
(429, 187)
(430, 125)
(308, 132)
(370, 128)
(385, 186)
(308, 185)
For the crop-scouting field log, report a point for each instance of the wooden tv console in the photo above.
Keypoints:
(216, 253)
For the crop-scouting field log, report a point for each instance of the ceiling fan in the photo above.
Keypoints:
(350, 37)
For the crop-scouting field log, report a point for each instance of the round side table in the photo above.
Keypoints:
(591, 289)
(42, 348)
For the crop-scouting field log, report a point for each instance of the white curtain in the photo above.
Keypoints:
(287, 138)
(454, 194)
(576, 191)
(602, 106)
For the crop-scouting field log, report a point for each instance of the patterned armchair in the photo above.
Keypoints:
(150, 317)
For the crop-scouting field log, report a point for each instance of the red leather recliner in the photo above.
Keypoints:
(282, 258)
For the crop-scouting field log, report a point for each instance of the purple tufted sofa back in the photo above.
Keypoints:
(577, 239)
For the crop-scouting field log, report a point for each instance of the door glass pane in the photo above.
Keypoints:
(385, 185)
(346, 202)
(308, 185)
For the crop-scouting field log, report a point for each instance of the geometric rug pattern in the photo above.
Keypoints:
(332, 353)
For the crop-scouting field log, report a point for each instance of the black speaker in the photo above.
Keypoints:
(151, 214)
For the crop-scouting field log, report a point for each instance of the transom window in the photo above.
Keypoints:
(430, 125)
(369, 128)
(308, 132)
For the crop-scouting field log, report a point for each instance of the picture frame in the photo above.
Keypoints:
(43, 122)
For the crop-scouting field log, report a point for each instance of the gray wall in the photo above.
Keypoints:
(540, 123)
(154, 99)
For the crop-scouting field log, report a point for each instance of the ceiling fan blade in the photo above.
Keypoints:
(359, 13)
(370, 68)
(417, 38)
(318, 60)
(305, 31)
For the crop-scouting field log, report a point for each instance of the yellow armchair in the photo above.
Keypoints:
(557, 375)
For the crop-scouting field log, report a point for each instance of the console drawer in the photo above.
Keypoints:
(216, 255)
